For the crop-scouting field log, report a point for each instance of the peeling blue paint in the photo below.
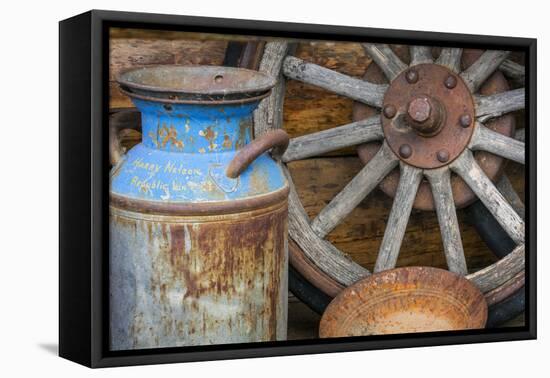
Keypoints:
(185, 151)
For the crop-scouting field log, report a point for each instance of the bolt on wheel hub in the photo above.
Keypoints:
(427, 116)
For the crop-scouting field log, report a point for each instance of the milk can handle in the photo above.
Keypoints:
(115, 149)
(276, 140)
(120, 120)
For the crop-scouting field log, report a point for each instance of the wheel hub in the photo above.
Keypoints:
(427, 116)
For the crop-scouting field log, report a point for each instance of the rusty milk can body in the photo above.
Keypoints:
(197, 255)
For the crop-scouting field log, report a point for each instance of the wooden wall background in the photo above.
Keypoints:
(308, 109)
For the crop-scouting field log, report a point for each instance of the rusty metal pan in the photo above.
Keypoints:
(195, 84)
(405, 300)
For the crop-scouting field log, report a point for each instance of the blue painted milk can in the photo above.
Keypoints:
(198, 213)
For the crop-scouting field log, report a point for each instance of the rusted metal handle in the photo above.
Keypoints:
(115, 149)
(118, 121)
(276, 140)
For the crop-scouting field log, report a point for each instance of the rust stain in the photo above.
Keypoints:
(227, 142)
(210, 135)
(169, 135)
(245, 126)
(238, 260)
(258, 181)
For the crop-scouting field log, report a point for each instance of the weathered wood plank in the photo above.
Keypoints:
(440, 183)
(345, 57)
(327, 257)
(359, 90)
(475, 75)
(385, 58)
(450, 57)
(421, 54)
(354, 192)
(126, 53)
(309, 109)
(118, 100)
(485, 139)
(467, 168)
(269, 114)
(409, 181)
(492, 106)
(352, 134)
(118, 33)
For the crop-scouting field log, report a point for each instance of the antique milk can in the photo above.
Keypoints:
(198, 213)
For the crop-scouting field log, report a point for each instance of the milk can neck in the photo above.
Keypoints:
(195, 128)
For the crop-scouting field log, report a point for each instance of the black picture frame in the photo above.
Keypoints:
(83, 197)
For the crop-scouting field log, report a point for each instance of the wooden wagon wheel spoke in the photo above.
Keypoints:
(385, 58)
(513, 70)
(492, 106)
(475, 75)
(507, 190)
(440, 182)
(450, 58)
(356, 89)
(421, 54)
(352, 134)
(467, 168)
(485, 139)
(355, 191)
(409, 181)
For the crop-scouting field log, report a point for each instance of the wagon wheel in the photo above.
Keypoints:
(415, 111)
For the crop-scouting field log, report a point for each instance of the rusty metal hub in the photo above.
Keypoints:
(424, 119)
